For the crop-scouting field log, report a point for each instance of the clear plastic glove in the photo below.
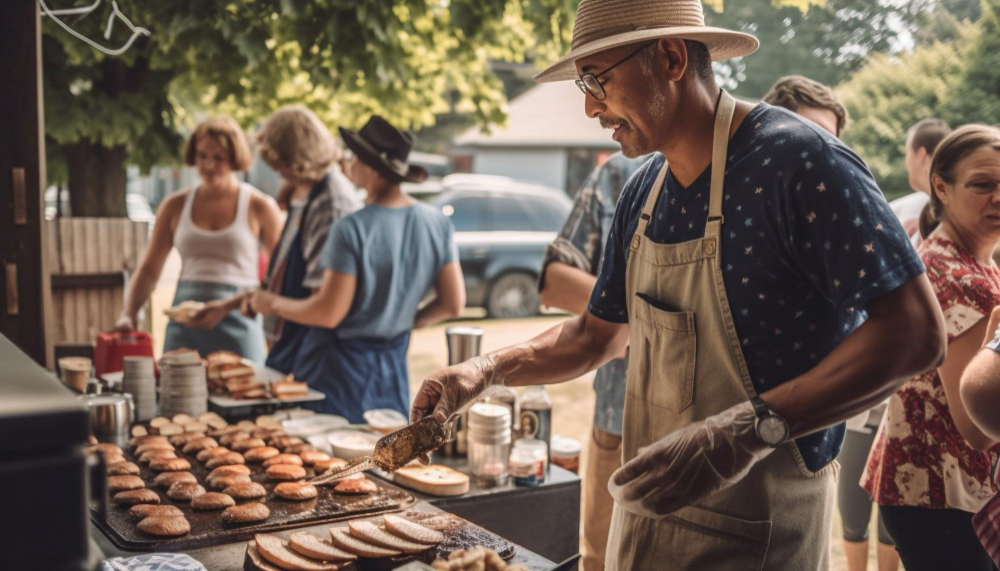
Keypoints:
(448, 390)
(690, 464)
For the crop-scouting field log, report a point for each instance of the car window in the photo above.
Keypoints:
(547, 215)
(527, 214)
(467, 214)
(509, 214)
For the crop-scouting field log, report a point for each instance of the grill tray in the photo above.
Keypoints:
(207, 527)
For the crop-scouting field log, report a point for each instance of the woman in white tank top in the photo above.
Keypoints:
(219, 227)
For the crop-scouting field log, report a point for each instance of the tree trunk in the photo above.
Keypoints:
(96, 179)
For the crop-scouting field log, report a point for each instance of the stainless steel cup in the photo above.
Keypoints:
(111, 414)
(464, 343)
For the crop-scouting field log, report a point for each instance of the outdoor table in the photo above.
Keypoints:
(230, 556)
(544, 519)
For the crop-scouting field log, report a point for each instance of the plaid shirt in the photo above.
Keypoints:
(581, 245)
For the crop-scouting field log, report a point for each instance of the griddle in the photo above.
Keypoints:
(459, 533)
(207, 527)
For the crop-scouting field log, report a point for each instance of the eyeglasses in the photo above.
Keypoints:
(589, 82)
(982, 187)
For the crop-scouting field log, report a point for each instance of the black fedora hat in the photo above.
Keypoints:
(384, 148)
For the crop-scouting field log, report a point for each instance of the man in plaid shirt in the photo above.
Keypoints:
(569, 272)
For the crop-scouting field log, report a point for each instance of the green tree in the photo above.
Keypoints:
(825, 40)
(976, 99)
(406, 59)
(958, 81)
(888, 95)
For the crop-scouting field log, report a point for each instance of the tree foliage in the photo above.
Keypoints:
(406, 59)
(957, 80)
(827, 40)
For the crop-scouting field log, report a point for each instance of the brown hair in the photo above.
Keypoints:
(227, 133)
(961, 143)
(795, 91)
(927, 135)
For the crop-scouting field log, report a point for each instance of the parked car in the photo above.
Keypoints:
(502, 228)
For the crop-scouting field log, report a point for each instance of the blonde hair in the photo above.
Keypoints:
(294, 137)
(227, 132)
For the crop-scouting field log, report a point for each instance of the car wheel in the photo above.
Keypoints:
(513, 295)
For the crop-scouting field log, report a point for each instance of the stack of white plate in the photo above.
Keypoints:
(183, 385)
(139, 380)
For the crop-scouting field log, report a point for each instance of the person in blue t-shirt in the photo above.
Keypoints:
(379, 263)
(766, 292)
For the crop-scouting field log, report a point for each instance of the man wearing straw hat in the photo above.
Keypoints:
(765, 288)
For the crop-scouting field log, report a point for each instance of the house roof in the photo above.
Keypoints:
(548, 115)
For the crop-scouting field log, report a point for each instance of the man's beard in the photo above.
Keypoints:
(632, 142)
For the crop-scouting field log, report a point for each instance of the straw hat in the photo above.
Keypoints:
(605, 24)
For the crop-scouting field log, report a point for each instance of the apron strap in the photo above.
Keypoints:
(720, 151)
(720, 148)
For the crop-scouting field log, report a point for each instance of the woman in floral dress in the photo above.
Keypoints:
(931, 468)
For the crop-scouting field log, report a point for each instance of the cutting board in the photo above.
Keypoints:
(433, 480)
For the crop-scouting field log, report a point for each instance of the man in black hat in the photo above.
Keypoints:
(379, 264)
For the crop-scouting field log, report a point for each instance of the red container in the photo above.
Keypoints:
(114, 346)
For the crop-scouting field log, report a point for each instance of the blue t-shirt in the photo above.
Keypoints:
(396, 254)
(808, 241)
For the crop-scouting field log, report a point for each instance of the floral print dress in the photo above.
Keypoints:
(919, 458)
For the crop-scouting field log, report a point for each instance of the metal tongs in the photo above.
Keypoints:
(395, 450)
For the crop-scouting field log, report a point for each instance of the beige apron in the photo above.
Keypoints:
(685, 365)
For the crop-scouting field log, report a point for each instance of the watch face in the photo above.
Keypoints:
(773, 430)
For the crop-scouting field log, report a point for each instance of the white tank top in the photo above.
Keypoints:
(227, 256)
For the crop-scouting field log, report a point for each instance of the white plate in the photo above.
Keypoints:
(351, 444)
(229, 402)
(385, 420)
(313, 425)
(321, 443)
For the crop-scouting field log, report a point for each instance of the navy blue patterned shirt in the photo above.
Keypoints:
(808, 241)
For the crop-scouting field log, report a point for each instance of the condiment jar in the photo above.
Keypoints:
(489, 443)
(566, 453)
(529, 462)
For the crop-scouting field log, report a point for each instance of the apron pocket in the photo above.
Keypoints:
(664, 351)
(709, 537)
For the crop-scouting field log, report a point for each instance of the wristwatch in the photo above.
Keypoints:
(771, 429)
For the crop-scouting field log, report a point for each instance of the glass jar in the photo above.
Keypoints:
(529, 462)
(566, 453)
(489, 443)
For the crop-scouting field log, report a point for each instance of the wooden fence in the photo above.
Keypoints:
(90, 259)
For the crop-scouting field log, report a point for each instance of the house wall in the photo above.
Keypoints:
(542, 166)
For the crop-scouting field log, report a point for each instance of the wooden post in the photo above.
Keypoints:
(23, 311)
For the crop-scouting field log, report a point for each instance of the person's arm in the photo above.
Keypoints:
(449, 299)
(961, 351)
(144, 280)
(980, 384)
(215, 311)
(903, 336)
(566, 351)
(270, 219)
(567, 288)
(326, 308)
